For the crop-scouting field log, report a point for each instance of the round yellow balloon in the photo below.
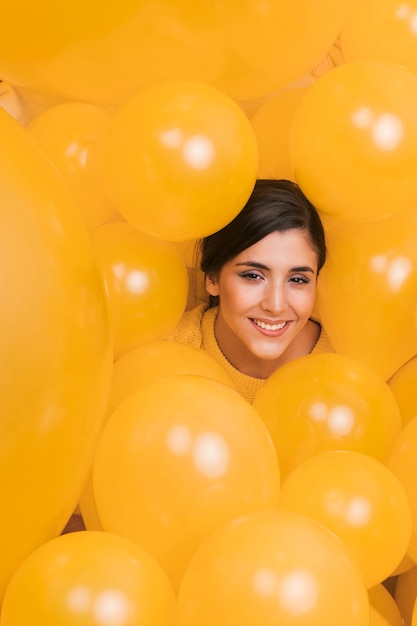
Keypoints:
(178, 458)
(89, 579)
(354, 142)
(361, 501)
(139, 367)
(181, 160)
(146, 284)
(367, 292)
(324, 402)
(272, 568)
(56, 350)
(73, 136)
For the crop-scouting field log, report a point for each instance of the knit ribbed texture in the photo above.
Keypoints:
(197, 329)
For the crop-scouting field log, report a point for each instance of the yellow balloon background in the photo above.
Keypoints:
(56, 353)
(90, 579)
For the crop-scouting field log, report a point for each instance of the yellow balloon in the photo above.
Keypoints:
(73, 135)
(139, 367)
(181, 160)
(159, 359)
(146, 284)
(178, 458)
(367, 292)
(402, 384)
(383, 602)
(89, 579)
(381, 32)
(56, 353)
(271, 123)
(272, 568)
(354, 142)
(361, 501)
(324, 402)
(405, 594)
(403, 463)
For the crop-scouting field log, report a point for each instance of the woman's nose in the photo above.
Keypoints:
(274, 299)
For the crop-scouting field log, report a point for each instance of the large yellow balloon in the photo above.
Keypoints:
(139, 367)
(384, 32)
(361, 501)
(89, 579)
(272, 568)
(367, 292)
(354, 142)
(73, 135)
(146, 283)
(324, 402)
(56, 353)
(178, 458)
(403, 463)
(104, 52)
(181, 160)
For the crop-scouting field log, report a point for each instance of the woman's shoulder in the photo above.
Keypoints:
(189, 328)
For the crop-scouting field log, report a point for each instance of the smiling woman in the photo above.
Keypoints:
(260, 273)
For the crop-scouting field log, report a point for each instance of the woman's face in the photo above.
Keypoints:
(267, 294)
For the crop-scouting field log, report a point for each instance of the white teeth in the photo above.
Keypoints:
(269, 326)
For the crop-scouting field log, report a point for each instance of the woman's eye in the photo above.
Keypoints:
(300, 280)
(250, 276)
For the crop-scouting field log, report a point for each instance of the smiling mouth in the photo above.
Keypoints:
(265, 326)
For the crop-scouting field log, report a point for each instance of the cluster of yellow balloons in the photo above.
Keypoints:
(157, 119)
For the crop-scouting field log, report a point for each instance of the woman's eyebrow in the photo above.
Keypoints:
(254, 264)
(261, 266)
